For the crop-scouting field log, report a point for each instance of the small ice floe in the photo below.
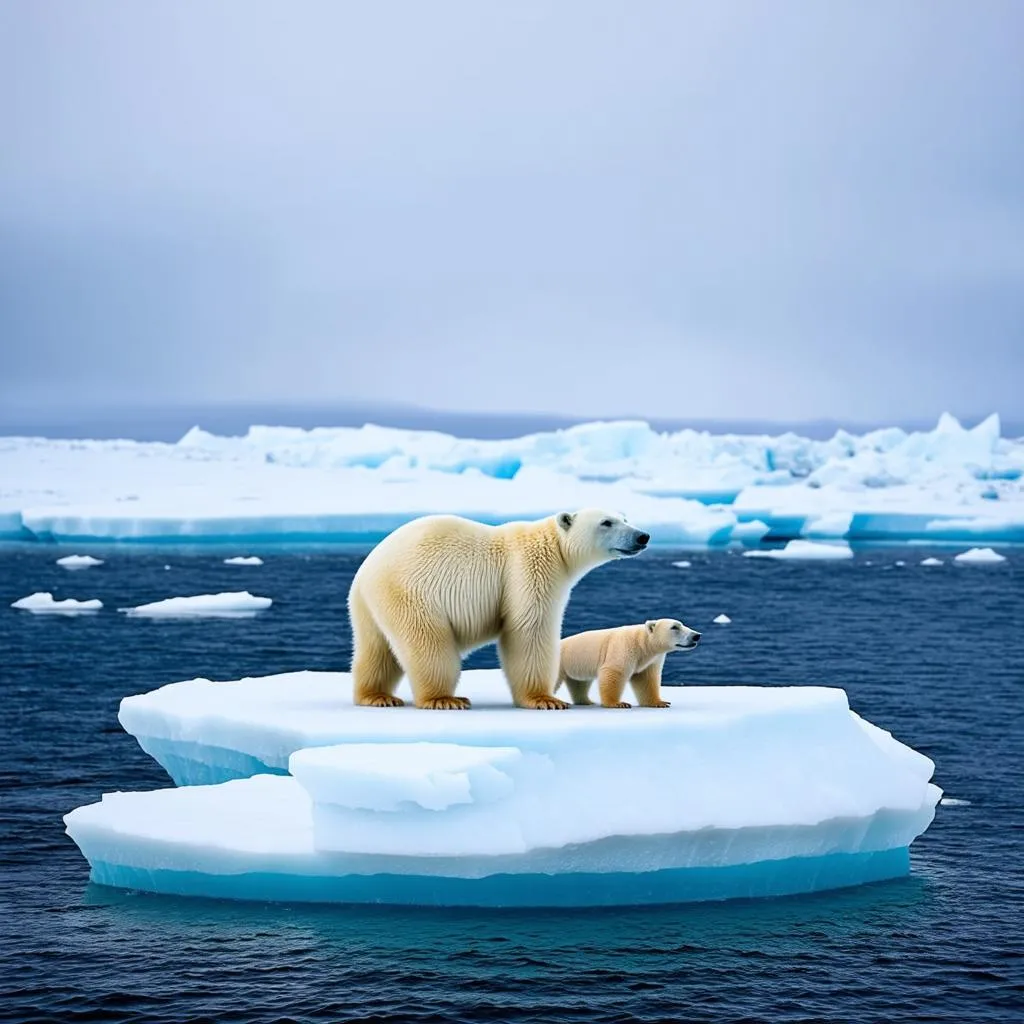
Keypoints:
(167, 567)
(683, 564)
(721, 620)
(951, 801)
(979, 556)
(931, 561)
(900, 564)
(44, 604)
(254, 560)
(78, 561)
(804, 550)
(241, 605)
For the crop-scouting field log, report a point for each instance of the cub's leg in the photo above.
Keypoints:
(647, 687)
(579, 689)
(531, 668)
(375, 670)
(611, 681)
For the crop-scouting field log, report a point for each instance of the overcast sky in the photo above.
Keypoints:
(779, 210)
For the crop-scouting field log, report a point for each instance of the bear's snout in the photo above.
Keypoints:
(642, 539)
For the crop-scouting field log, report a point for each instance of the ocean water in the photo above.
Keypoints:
(933, 654)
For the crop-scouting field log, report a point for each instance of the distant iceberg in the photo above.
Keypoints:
(244, 560)
(979, 556)
(288, 792)
(689, 488)
(721, 620)
(79, 561)
(44, 604)
(227, 605)
(805, 550)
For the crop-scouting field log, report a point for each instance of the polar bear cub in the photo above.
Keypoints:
(441, 586)
(625, 653)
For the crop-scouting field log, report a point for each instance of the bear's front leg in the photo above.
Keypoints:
(611, 681)
(647, 687)
(531, 668)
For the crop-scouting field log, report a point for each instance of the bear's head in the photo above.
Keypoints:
(592, 536)
(666, 635)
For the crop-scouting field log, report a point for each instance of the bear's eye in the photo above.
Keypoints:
(606, 522)
(676, 628)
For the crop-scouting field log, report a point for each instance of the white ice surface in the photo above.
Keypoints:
(79, 561)
(979, 556)
(244, 560)
(757, 772)
(241, 604)
(44, 604)
(357, 484)
(805, 550)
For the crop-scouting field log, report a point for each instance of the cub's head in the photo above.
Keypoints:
(671, 635)
(592, 536)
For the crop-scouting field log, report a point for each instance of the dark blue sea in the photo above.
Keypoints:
(935, 655)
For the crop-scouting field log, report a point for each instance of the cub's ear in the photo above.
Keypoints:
(650, 624)
(565, 520)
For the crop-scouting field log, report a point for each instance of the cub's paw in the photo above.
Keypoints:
(621, 704)
(543, 702)
(445, 704)
(381, 700)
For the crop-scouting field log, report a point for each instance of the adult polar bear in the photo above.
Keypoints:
(440, 586)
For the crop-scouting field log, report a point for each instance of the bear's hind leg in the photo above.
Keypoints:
(434, 665)
(375, 670)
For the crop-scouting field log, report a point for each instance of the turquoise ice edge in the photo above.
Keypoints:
(790, 877)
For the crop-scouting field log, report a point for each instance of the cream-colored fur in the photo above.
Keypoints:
(625, 653)
(440, 586)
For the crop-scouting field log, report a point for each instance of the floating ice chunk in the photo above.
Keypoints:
(78, 561)
(390, 776)
(244, 560)
(931, 561)
(722, 620)
(227, 605)
(952, 801)
(682, 564)
(805, 550)
(979, 556)
(43, 604)
(503, 806)
(900, 563)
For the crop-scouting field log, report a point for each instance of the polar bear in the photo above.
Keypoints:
(612, 656)
(441, 586)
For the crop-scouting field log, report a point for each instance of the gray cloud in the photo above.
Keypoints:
(712, 210)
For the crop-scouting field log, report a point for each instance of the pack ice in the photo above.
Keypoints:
(286, 791)
(688, 487)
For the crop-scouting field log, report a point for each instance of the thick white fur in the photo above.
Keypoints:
(440, 586)
(624, 653)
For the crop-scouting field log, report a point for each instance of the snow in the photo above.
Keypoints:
(805, 550)
(722, 620)
(44, 604)
(244, 560)
(689, 488)
(79, 561)
(931, 561)
(979, 556)
(288, 791)
(228, 605)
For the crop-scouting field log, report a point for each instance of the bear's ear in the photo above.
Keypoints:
(650, 624)
(565, 520)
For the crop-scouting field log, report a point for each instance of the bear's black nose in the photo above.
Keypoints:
(696, 637)
(642, 538)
